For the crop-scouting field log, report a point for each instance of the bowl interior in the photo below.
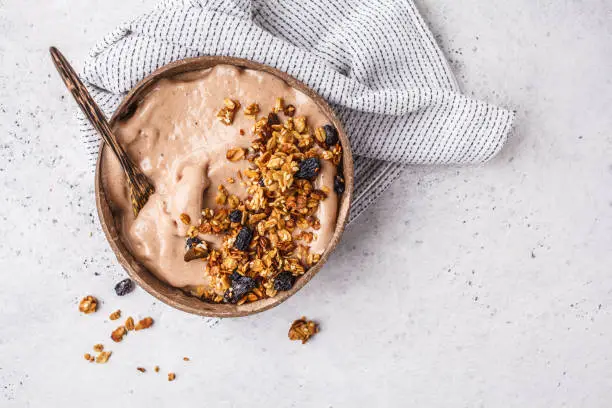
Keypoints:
(174, 296)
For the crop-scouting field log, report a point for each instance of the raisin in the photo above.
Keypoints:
(308, 169)
(243, 239)
(235, 216)
(273, 119)
(124, 287)
(196, 249)
(241, 285)
(339, 184)
(192, 242)
(284, 281)
(261, 182)
(331, 135)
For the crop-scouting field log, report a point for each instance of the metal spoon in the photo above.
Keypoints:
(140, 186)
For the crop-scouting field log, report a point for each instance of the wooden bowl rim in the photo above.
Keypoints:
(173, 296)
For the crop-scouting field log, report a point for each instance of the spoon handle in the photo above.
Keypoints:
(92, 111)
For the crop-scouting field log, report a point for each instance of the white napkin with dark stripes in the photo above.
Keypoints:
(376, 62)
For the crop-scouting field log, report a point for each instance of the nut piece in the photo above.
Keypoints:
(89, 304)
(115, 315)
(235, 154)
(226, 114)
(129, 323)
(144, 323)
(303, 330)
(171, 376)
(118, 334)
(278, 105)
(251, 110)
(103, 357)
(229, 104)
(141, 369)
(98, 347)
(185, 218)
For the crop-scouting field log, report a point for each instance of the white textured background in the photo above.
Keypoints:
(464, 287)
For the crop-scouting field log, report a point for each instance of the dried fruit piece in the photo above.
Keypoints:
(115, 315)
(118, 334)
(103, 357)
(284, 281)
(243, 239)
(339, 184)
(98, 348)
(129, 323)
(303, 330)
(309, 168)
(141, 369)
(124, 287)
(235, 216)
(171, 376)
(144, 323)
(89, 304)
(234, 154)
(241, 285)
(185, 218)
(196, 249)
(331, 135)
(273, 119)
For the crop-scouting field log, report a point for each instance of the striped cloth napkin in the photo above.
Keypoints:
(376, 62)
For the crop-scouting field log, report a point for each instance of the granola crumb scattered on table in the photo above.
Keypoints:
(156, 369)
(115, 315)
(103, 357)
(186, 359)
(144, 323)
(141, 369)
(118, 334)
(98, 347)
(171, 376)
(87, 356)
(129, 323)
(89, 304)
(303, 329)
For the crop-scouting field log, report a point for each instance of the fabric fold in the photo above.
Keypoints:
(376, 63)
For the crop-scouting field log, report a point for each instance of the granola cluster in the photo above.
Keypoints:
(302, 330)
(266, 236)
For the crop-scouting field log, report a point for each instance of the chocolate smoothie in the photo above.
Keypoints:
(179, 142)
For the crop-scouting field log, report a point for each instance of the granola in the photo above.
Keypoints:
(118, 334)
(303, 330)
(267, 235)
(103, 357)
(144, 323)
(88, 304)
